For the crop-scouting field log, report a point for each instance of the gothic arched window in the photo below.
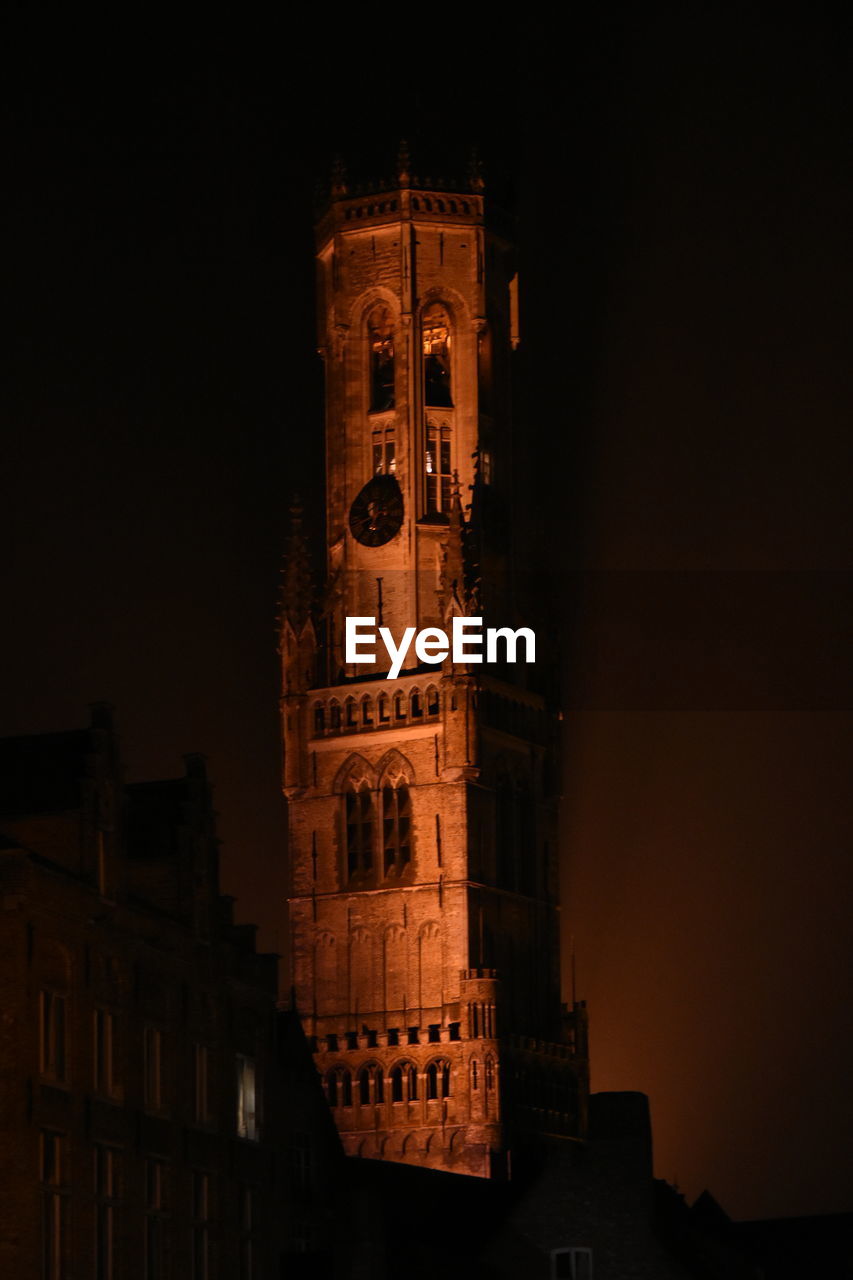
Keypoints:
(365, 1075)
(435, 332)
(359, 824)
(380, 339)
(404, 1083)
(396, 1084)
(396, 827)
(339, 1087)
(438, 1080)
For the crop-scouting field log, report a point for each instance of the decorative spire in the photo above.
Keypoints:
(297, 586)
(339, 178)
(473, 536)
(404, 164)
(475, 171)
(452, 578)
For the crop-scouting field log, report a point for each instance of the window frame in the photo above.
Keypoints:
(248, 1119)
(400, 819)
(574, 1253)
(106, 1196)
(359, 817)
(53, 1035)
(103, 1051)
(53, 1198)
(382, 312)
(152, 1068)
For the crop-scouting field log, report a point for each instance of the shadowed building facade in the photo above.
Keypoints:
(422, 809)
(159, 1116)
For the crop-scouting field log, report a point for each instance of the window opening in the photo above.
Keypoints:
(103, 1064)
(52, 1205)
(359, 822)
(154, 1219)
(200, 1064)
(247, 1099)
(384, 452)
(53, 1024)
(439, 476)
(571, 1264)
(152, 1050)
(380, 336)
(200, 1227)
(396, 827)
(105, 1201)
(435, 328)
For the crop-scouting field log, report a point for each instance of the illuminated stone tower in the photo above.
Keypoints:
(422, 810)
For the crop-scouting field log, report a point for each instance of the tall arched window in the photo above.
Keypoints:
(404, 1082)
(396, 1084)
(365, 1075)
(438, 1080)
(396, 827)
(339, 1087)
(435, 330)
(359, 823)
(380, 339)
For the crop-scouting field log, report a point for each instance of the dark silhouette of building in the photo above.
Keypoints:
(160, 1116)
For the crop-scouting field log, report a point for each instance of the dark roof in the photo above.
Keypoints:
(788, 1248)
(41, 773)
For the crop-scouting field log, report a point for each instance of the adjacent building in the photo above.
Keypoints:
(160, 1116)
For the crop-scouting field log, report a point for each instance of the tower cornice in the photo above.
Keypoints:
(387, 205)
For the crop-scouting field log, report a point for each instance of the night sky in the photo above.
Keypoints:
(684, 197)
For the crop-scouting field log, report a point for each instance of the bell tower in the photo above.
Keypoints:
(422, 809)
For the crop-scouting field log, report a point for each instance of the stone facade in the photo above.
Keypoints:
(422, 809)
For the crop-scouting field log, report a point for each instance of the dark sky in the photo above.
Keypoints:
(684, 195)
